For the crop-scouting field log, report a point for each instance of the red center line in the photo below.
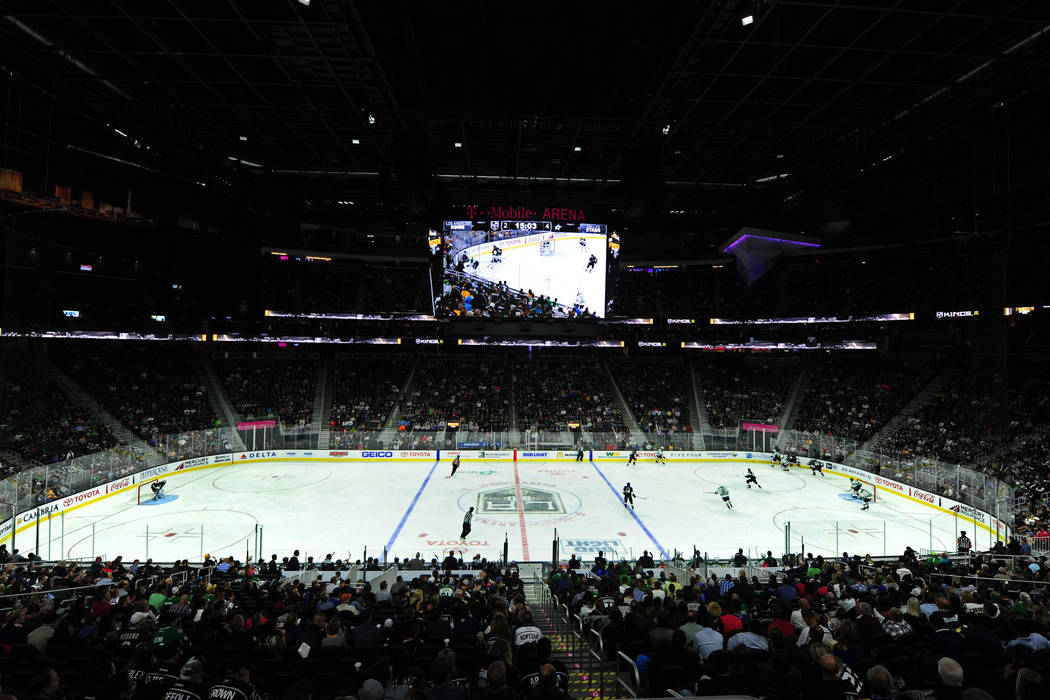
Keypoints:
(521, 515)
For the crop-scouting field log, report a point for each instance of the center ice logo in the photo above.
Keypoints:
(533, 500)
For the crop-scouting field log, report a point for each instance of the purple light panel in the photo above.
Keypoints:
(755, 236)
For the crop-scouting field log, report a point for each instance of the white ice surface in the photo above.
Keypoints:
(559, 276)
(412, 506)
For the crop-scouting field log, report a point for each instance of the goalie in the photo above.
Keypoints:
(158, 490)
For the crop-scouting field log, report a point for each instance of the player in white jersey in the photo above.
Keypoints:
(660, 456)
(724, 493)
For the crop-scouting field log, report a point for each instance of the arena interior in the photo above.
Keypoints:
(485, 351)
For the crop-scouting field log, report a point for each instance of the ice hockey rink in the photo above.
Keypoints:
(562, 275)
(356, 509)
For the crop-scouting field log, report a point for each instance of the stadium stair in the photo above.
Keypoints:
(786, 420)
(220, 403)
(389, 435)
(513, 433)
(590, 676)
(698, 411)
(323, 389)
(120, 431)
(918, 402)
(637, 435)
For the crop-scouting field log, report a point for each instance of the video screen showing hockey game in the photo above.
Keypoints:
(522, 269)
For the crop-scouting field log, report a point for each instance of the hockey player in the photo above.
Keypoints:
(474, 263)
(855, 486)
(466, 523)
(580, 300)
(628, 496)
(579, 454)
(816, 467)
(583, 242)
(591, 262)
(751, 479)
(865, 496)
(158, 490)
(497, 254)
(776, 459)
(633, 457)
(660, 456)
(724, 493)
(455, 466)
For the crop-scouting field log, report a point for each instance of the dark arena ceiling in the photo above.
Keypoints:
(851, 116)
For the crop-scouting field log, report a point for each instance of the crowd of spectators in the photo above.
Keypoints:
(735, 391)
(550, 394)
(855, 398)
(464, 295)
(473, 392)
(966, 418)
(270, 388)
(908, 628)
(345, 287)
(365, 391)
(39, 422)
(658, 395)
(152, 389)
(115, 629)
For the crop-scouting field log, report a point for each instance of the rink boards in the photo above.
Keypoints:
(525, 494)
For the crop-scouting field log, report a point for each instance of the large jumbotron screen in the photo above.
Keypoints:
(490, 266)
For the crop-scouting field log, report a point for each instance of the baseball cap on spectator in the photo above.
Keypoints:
(194, 665)
(139, 617)
(371, 690)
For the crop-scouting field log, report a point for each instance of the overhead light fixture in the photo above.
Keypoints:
(666, 130)
(371, 119)
(305, 3)
(458, 144)
(577, 149)
(244, 138)
(749, 19)
(356, 142)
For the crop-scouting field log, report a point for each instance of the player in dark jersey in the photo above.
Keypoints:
(633, 457)
(751, 479)
(591, 262)
(628, 495)
(816, 467)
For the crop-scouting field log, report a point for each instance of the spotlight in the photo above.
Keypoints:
(666, 130)
(577, 149)
(750, 19)
(371, 119)
(305, 2)
(356, 142)
(458, 144)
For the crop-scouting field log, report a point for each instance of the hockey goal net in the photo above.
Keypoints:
(144, 491)
(867, 486)
(547, 245)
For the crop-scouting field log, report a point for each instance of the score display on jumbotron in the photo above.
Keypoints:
(545, 258)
